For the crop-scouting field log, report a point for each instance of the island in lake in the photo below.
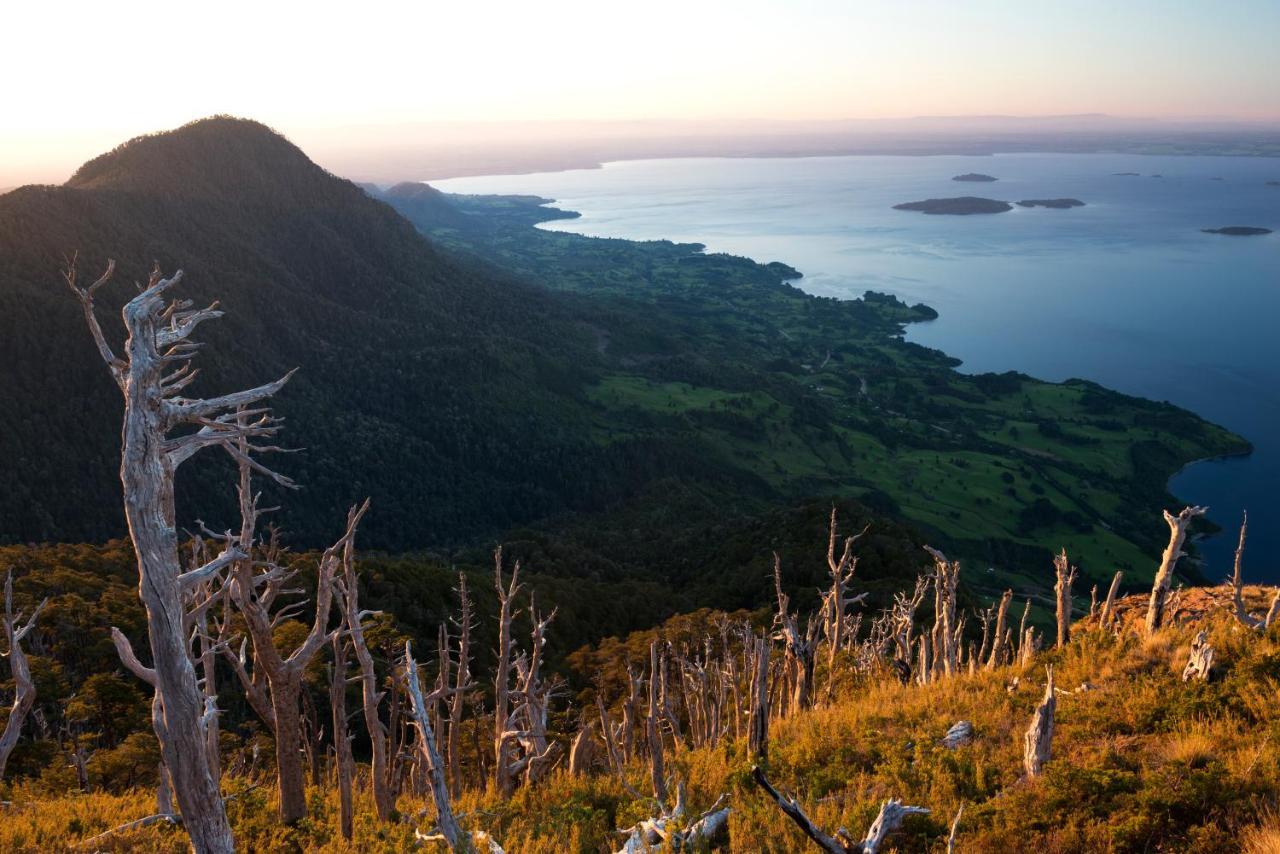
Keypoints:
(1128, 174)
(1237, 230)
(976, 177)
(1051, 203)
(960, 206)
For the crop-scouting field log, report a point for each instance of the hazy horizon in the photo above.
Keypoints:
(353, 87)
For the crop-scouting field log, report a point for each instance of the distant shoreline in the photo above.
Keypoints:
(571, 164)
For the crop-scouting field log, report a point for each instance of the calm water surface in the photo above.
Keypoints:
(1125, 291)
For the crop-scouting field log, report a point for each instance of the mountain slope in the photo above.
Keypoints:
(444, 389)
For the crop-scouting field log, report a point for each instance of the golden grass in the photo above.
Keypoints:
(1141, 762)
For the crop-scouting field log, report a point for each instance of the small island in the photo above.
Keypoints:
(1273, 183)
(1051, 203)
(977, 177)
(1128, 174)
(960, 206)
(1238, 230)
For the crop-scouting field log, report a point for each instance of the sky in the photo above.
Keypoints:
(78, 78)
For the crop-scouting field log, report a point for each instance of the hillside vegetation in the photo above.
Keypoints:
(1141, 761)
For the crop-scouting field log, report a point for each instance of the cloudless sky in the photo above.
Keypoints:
(76, 78)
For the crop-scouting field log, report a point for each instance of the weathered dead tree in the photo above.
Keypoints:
(151, 378)
(1066, 575)
(835, 601)
(758, 725)
(945, 642)
(383, 778)
(1000, 641)
(1237, 590)
(461, 685)
(888, 820)
(24, 688)
(502, 744)
(1107, 614)
(1037, 743)
(527, 721)
(457, 840)
(955, 826)
(653, 732)
(343, 763)
(256, 595)
(799, 650)
(1169, 560)
(658, 834)
(1200, 662)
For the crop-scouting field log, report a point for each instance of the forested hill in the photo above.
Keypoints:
(595, 400)
(448, 391)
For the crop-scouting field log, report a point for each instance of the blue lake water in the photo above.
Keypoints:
(1126, 291)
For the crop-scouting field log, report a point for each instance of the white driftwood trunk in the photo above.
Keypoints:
(1037, 744)
(1169, 560)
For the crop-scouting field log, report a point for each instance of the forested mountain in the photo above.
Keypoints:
(448, 391)
(478, 378)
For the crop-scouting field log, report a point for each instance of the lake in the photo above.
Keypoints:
(1126, 290)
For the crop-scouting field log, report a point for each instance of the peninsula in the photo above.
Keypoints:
(976, 177)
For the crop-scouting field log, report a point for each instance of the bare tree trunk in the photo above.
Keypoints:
(654, 734)
(998, 645)
(1169, 560)
(24, 689)
(455, 837)
(946, 642)
(502, 777)
(1062, 595)
(835, 603)
(343, 763)
(460, 688)
(758, 729)
(1108, 607)
(1038, 742)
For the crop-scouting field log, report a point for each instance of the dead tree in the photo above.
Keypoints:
(834, 601)
(24, 689)
(1062, 595)
(152, 378)
(382, 776)
(1237, 590)
(256, 596)
(800, 650)
(758, 726)
(454, 836)
(1000, 641)
(1107, 614)
(888, 820)
(461, 685)
(1200, 662)
(1037, 743)
(526, 725)
(946, 640)
(652, 730)
(343, 763)
(502, 745)
(1164, 575)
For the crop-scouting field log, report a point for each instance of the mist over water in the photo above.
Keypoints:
(1125, 291)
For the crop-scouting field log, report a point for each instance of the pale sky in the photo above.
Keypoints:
(77, 78)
